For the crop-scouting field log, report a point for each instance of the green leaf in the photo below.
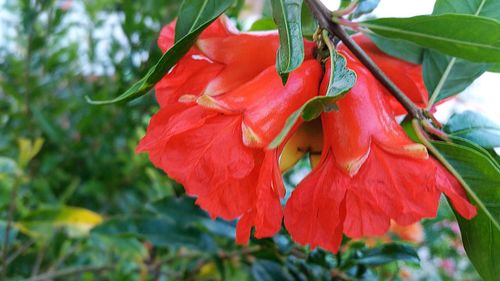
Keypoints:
(474, 127)
(309, 23)
(194, 13)
(264, 270)
(490, 154)
(76, 221)
(479, 174)
(210, 11)
(485, 8)
(398, 48)
(342, 79)
(8, 166)
(494, 68)
(458, 77)
(481, 241)
(452, 75)
(182, 209)
(472, 37)
(124, 247)
(28, 150)
(386, 254)
(287, 15)
(365, 7)
(263, 24)
(160, 231)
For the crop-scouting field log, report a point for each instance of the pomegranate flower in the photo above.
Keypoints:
(370, 172)
(220, 107)
(407, 76)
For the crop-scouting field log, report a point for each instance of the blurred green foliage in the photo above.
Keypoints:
(77, 202)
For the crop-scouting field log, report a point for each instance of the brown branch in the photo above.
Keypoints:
(69, 272)
(324, 17)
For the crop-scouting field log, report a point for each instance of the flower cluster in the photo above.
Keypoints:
(222, 105)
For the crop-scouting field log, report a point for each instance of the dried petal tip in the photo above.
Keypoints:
(209, 102)
(414, 150)
(352, 167)
(250, 138)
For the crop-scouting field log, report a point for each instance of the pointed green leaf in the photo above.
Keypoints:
(160, 231)
(287, 15)
(194, 13)
(445, 76)
(365, 7)
(481, 241)
(474, 127)
(263, 24)
(342, 79)
(480, 175)
(76, 221)
(309, 23)
(398, 48)
(193, 25)
(485, 8)
(471, 37)
(494, 68)
(387, 253)
(457, 74)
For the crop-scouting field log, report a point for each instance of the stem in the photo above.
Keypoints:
(69, 272)
(323, 15)
(21, 250)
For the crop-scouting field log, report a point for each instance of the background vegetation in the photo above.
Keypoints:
(77, 203)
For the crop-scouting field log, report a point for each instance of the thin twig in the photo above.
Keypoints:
(69, 272)
(19, 251)
(324, 17)
(38, 261)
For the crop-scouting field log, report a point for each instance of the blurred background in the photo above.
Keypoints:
(77, 202)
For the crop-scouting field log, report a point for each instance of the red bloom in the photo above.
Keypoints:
(407, 76)
(221, 60)
(370, 172)
(219, 109)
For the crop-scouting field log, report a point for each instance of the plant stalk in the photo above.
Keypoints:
(324, 17)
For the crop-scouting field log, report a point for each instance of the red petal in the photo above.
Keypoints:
(315, 212)
(244, 55)
(244, 228)
(363, 118)
(170, 121)
(402, 187)
(219, 28)
(210, 161)
(189, 77)
(266, 103)
(407, 76)
(363, 216)
(450, 186)
(166, 38)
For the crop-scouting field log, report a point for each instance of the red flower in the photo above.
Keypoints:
(221, 60)
(370, 172)
(219, 109)
(407, 76)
